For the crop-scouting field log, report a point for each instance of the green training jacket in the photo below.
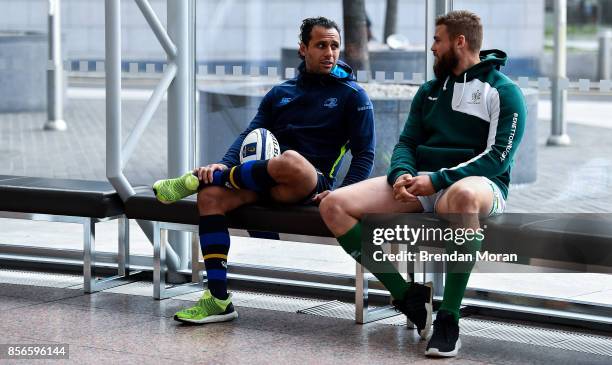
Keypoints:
(468, 125)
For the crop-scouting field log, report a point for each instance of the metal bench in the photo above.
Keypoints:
(71, 201)
(183, 216)
(576, 240)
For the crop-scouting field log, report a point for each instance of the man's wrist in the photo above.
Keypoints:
(436, 182)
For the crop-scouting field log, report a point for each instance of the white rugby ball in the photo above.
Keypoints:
(259, 144)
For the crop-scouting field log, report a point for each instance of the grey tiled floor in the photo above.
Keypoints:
(79, 152)
(109, 328)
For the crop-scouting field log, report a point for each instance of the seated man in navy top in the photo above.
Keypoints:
(316, 117)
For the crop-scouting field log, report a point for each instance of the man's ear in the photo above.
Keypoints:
(302, 49)
(460, 41)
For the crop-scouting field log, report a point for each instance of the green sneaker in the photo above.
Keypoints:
(208, 310)
(171, 190)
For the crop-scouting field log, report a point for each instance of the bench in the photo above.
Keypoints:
(570, 239)
(559, 240)
(183, 216)
(71, 201)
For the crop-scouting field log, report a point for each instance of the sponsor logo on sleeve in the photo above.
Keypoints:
(365, 107)
(510, 138)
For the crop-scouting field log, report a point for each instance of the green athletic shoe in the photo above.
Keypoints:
(208, 310)
(171, 190)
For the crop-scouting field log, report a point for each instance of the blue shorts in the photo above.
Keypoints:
(323, 183)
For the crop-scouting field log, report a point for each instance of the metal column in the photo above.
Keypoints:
(559, 136)
(605, 42)
(179, 111)
(117, 154)
(55, 70)
(443, 6)
(433, 8)
(430, 31)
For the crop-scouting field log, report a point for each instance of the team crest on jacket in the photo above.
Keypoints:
(331, 103)
(476, 97)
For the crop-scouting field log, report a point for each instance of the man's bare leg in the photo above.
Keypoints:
(342, 209)
(295, 176)
(467, 200)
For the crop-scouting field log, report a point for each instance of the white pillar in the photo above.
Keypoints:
(559, 136)
(179, 114)
(55, 70)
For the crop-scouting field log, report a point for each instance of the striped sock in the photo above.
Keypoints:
(251, 175)
(215, 244)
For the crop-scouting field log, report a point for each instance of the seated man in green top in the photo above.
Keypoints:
(453, 156)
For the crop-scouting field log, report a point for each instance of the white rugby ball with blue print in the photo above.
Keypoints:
(259, 144)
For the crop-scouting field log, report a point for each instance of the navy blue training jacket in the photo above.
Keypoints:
(320, 117)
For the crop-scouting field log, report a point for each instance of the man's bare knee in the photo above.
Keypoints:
(289, 164)
(330, 207)
(291, 156)
(333, 208)
(463, 200)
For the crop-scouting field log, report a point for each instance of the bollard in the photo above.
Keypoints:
(55, 71)
(603, 60)
(558, 95)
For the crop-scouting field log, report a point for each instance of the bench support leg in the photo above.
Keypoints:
(93, 284)
(196, 268)
(123, 254)
(89, 241)
(160, 290)
(361, 295)
(434, 273)
(363, 314)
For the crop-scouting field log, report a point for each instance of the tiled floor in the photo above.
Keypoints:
(108, 327)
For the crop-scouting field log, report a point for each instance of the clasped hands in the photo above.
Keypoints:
(407, 188)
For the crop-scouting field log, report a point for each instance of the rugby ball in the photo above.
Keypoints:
(259, 144)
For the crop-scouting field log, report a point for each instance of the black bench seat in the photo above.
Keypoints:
(81, 198)
(71, 201)
(556, 239)
(580, 238)
(303, 220)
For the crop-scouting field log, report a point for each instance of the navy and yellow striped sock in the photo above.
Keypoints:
(251, 175)
(215, 244)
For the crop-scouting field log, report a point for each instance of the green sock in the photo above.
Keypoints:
(384, 271)
(457, 277)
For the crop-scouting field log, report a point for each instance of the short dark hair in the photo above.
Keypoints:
(309, 23)
(463, 22)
